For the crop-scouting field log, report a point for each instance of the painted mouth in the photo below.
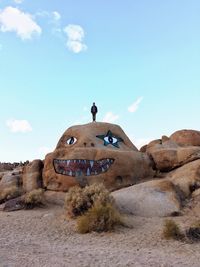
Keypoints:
(81, 167)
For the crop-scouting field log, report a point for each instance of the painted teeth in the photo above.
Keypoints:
(82, 167)
(88, 172)
(91, 163)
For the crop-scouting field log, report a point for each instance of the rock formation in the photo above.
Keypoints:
(158, 178)
(95, 152)
(32, 175)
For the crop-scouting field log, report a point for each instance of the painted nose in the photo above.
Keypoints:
(88, 144)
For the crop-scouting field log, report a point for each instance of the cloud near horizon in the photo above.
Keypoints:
(110, 117)
(75, 35)
(14, 20)
(132, 108)
(19, 126)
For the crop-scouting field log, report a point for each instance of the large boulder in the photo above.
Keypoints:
(187, 177)
(169, 155)
(32, 175)
(149, 199)
(11, 185)
(95, 152)
(186, 137)
(54, 197)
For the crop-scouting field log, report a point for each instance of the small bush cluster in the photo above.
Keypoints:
(171, 230)
(34, 198)
(79, 200)
(100, 218)
(94, 206)
(193, 232)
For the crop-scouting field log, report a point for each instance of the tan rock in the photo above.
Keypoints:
(54, 197)
(169, 155)
(10, 185)
(186, 137)
(187, 177)
(95, 152)
(32, 175)
(143, 149)
(196, 193)
(150, 199)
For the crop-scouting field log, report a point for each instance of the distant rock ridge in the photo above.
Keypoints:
(7, 166)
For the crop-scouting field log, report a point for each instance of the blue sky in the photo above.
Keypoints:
(138, 60)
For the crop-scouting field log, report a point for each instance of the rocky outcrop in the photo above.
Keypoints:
(186, 137)
(187, 177)
(32, 175)
(168, 155)
(95, 152)
(154, 198)
(11, 185)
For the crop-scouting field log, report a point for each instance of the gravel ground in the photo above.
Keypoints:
(44, 237)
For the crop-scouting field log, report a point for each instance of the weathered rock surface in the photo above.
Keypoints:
(187, 177)
(14, 204)
(186, 137)
(150, 199)
(10, 184)
(55, 197)
(32, 175)
(168, 155)
(99, 152)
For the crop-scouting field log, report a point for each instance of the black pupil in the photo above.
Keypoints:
(110, 139)
(71, 141)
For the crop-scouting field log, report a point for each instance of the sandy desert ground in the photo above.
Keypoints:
(44, 237)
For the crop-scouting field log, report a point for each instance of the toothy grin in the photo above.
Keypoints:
(81, 167)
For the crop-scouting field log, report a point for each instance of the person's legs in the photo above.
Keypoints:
(94, 116)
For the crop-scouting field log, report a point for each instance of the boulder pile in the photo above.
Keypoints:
(153, 181)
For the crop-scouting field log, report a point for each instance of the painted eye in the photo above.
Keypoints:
(110, 139)
(72, 140)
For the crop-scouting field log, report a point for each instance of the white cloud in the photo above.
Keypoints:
(18, 1)
(76, 46)
(56, 15)
(75, 35)
(14, 20)
(19, 126)
(110, 117)
(135, 105)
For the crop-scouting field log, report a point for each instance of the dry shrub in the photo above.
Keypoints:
(79, 200)
(34, 198)
(193, 233)
(171, 230)
(99, 218)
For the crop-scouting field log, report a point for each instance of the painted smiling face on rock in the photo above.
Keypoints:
(94, 152)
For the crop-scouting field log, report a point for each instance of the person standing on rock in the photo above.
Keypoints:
(94, 111)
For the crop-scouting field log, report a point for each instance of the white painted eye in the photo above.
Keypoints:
(72, 140)
(110, 139)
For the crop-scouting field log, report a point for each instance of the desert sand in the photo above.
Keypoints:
(44, 237)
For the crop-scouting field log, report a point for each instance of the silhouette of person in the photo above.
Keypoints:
(94, 111)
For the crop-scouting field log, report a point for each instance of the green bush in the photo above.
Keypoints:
(34, 198)
(171, 230)
(99, 218)
(79, 200)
